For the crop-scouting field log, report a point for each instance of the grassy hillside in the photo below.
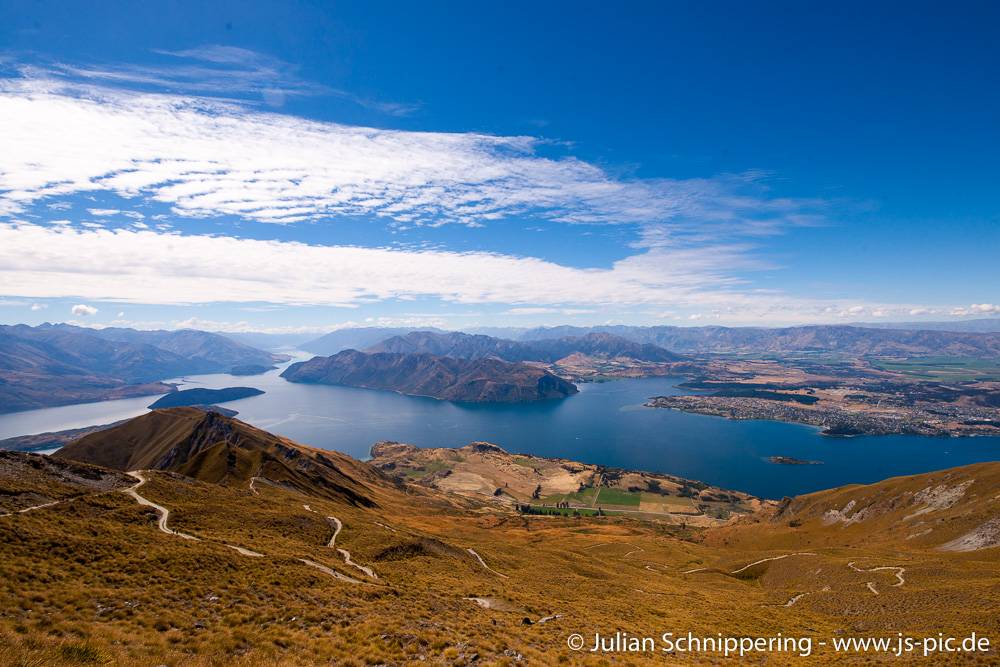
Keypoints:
(93, 579)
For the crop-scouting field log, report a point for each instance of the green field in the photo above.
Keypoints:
(618, 498)
(430, 468)
(942, 368)
(584, 497)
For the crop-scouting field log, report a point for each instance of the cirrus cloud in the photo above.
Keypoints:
(151, 267)
(208, 157)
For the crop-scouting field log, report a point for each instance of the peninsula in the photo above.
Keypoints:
(446, 378)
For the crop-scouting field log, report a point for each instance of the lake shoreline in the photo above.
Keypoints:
(605, 424)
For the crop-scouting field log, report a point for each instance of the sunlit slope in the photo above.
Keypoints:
(264, 565)
(950, 510)
(214, 448)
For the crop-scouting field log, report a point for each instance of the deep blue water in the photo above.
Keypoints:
(605, 424)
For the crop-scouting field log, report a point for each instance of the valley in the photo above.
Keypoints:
(59, 364)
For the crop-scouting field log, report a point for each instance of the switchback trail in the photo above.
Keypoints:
(344, 553)
(765, 560)
(898, 570)
(332, 544)
(160, 509)
(165, 514)
(331, 572)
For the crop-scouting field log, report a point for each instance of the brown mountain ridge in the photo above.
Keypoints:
(213, 448)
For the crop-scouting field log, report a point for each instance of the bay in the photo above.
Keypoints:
(605, 423)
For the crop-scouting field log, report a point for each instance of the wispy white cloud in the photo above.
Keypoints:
(208, 158)
(216, 71)
(144, 266)
(212, 157)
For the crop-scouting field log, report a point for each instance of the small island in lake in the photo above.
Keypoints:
(792, 461)
(201, 396)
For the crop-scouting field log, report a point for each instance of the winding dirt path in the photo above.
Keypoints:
(160, 509)
(765, 560)
(332, 544)
(898, 570)
(245, 552)
(795, 598)
(337, 527)
(485, 566)
(165, 515)
(332, 572)
(344, 553)
(33, 508)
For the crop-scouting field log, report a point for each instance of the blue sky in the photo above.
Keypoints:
(301, 166)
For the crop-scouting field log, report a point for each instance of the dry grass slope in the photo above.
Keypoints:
(93, 580)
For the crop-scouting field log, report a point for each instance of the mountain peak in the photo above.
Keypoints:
(215, 448)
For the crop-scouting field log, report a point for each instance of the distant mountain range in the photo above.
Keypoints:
(549, 343)
(843, 339)
(271, 341)
(984, 325)
(469, 346)
(56, 364)
(218, 352)
(446, 378)
(357, 338)
(894, 338)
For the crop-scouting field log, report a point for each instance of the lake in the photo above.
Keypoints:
(604, 424)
